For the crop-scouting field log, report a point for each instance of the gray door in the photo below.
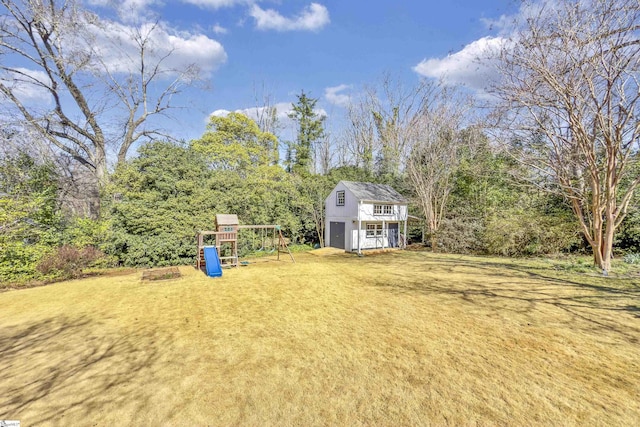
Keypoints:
(336, 234)
(393, 235)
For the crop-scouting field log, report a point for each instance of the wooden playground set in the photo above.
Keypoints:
(225, 242)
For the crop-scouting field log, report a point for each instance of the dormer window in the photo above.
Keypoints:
(339, 198)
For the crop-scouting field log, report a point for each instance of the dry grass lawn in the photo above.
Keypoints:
(393, 339)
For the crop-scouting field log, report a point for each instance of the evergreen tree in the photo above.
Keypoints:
(310, 133)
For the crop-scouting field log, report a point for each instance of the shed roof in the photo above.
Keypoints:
(374, 192)
(227, 219)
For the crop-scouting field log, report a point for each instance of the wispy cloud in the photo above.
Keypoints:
(125, 4)
(283, 109)
(218, 4)
(219, 29)
(333, 95)
(135, 10)
(29, 86)
(128, 10)
(312, 18)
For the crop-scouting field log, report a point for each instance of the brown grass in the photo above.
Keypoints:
(393, 339)
(161, 273)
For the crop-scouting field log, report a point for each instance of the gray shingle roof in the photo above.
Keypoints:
(374, 192)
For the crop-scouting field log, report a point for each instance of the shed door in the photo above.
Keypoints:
(336, 231)
(393, 235)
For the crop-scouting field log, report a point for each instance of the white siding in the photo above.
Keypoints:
(334, 213)
(348, 234)
(349, 215)
(366, 213)
(369, 242)
(350, 208)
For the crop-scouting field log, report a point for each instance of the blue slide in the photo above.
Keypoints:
(212, 262)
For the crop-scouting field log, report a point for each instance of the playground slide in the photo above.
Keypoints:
(212, 262)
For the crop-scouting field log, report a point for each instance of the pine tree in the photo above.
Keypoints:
(310, 133)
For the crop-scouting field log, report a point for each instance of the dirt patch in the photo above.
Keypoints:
(161, 274)
(327, 251)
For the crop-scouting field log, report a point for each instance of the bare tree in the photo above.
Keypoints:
(266, 113)
(325, 154)
(438, 141)
(382, 121)
(571, 93)
(105, 81)
(360, 134)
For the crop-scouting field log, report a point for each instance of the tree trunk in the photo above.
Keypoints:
(320, 231)
(607, 240)
(99, 184)
(434, 242)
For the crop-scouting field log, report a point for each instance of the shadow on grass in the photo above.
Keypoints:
(59, 365)
(412, 263)
(592, 303)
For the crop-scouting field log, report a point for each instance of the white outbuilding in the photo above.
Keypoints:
(362, 215)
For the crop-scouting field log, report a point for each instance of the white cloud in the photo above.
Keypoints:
(27, 85)
(128, 10)
(124, 4)
(282, 112)
(218, 113)
(332, 95)
(312, 18)
(474, 65)
(470, 66)
(499, 24)
(135, 10)
(505, 24)
(217, 4)
(219, 29)
(116, 46)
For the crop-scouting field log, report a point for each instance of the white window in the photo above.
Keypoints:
(382, 209)
(374, 230)
(339, 198)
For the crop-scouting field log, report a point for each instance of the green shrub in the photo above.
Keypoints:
(461, 235)
(632, 258)
(155, 251)
(82, 232)
(519, 232)
(628, 235)
(18, 261)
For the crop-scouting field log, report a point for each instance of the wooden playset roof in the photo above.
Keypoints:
(227, 219)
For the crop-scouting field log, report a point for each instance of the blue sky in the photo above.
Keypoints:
(330, 49)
